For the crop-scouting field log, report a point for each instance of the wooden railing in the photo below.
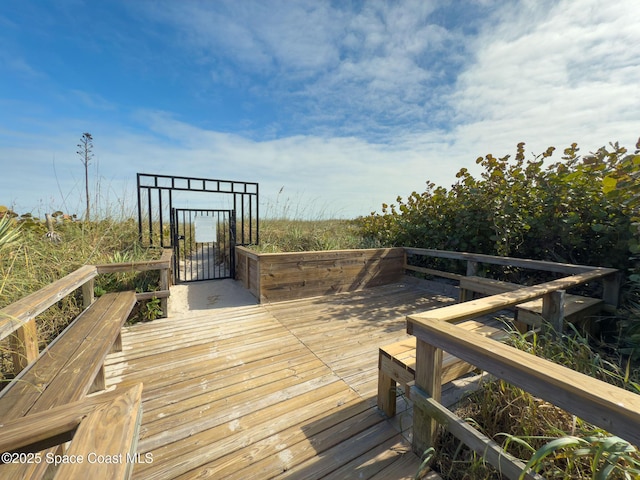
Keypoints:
(614, 409)
(552, 292)
(18, 320)
(604, 405)
(473, 259)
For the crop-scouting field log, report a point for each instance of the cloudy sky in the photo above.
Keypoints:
(334, 107)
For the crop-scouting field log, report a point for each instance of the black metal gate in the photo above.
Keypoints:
(203, 229)
(204, 242)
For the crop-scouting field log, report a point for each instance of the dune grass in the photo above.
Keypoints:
(286, 235)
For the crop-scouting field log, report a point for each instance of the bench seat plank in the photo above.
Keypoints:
(576, 307)
(487, 286)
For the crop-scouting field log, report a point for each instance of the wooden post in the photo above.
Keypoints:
(117, 344)
(51, 234)
(429, 380)
(553, 310)
(611, 290)
(386, 393)
(87, 293)
(49, 221)
(472, 270)
(24, 345)
(164, 285)
(405, 262)
(99, 383)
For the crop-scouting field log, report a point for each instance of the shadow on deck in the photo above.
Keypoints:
(233, 389)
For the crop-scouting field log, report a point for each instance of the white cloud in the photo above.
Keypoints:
(377, 101)
(339, 176)
(379, 59)
(91, 100)
(552, 76)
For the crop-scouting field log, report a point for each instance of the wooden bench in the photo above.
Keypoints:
(70, 367)
(576, 309)
(397, 363)
(102, 431)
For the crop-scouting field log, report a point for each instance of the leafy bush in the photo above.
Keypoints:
(578, 210)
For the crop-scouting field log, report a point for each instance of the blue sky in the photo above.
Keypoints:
(333, 107)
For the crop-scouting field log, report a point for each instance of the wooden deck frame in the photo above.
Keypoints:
(427, 379)
(275, 277)
(279, 390)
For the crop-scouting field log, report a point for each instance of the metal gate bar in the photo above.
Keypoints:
(196, 259)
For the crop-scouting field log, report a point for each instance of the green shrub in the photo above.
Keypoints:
(580, 210)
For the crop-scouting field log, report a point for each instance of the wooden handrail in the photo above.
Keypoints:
(612, 408)
(602, 404)
(18, 313)
(482, 306)
(506, 261)
(164, 262)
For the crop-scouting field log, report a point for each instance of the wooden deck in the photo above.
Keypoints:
(284, 390)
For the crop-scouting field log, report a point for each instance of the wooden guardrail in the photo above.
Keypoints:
(553, 294)
(612, 408)
(163, 264)
(18, 320)
(473, 259)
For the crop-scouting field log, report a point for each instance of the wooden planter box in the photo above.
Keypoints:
(274, 277)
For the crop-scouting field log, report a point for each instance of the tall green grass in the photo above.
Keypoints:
(292, 226)
(286, 235)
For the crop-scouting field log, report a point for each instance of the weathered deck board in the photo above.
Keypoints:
(345, 331)
(283, 390)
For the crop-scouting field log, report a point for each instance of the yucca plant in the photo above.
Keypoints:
(9, 232)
